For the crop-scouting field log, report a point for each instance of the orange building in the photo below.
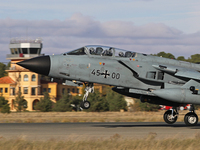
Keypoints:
(31, 85)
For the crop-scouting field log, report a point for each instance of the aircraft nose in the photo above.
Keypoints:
(39, 65)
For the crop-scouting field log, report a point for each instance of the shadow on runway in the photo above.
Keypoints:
(147, 124)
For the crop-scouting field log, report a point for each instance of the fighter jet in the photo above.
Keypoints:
(150, 78)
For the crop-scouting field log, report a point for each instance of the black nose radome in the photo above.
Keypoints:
(39, 65)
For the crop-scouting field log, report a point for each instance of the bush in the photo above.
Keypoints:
(116, 101)
(65, 103)
(139, 106)
(4, 106)
(45, 104)
(19, 102)
(98, 102)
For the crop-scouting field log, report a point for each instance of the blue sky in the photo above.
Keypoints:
(148, 26)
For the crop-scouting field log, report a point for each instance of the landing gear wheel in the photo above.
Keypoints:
(191, 119)
(169, 118)
(85, 105)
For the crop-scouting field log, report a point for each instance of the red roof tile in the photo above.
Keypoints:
(6, 80)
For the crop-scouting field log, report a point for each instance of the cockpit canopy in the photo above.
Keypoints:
(101, 51)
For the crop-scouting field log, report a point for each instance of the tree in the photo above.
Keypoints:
(8, 65)
(116, 101)
(148, 107)
(19, 102)
(139, 106)
(98, 102)
(165, 55)
(63, 104)
(45, 103)
(194, 58)
(4, 106)
(2, 70)
(182, 58)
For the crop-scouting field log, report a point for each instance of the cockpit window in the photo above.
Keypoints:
(80, 51)
(101, 50)
(124, 53)
(108, 51)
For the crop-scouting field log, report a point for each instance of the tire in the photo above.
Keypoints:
(85, 105)
(168, 118)
(191, 119)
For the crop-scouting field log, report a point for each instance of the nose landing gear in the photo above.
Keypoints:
(88, 89)
(85, 105)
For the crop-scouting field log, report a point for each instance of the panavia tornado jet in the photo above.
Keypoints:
(150, 78)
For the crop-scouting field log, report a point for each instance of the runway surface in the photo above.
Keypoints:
(83, 131)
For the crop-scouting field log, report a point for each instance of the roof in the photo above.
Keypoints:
(6, 80)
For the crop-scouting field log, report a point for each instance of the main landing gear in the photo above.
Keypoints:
(88, 89)
(190, 119)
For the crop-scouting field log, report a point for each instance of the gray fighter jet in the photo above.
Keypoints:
(150, 78)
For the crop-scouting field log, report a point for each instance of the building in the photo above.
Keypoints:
(31, 85)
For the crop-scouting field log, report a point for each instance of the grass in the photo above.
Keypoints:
(49, 117)
(115, 142)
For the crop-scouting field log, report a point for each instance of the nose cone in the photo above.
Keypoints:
(39, 65)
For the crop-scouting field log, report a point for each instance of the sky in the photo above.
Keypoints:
(145, 26)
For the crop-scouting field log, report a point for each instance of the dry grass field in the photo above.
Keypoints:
(49, 117)
(115, 142)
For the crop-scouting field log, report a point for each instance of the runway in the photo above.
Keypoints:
(84, 131)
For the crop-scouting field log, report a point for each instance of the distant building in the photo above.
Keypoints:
(31, 85)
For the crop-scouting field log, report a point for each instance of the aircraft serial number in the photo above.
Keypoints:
(106, 74)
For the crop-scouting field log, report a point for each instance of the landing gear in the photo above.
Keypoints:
(171, 116)
(88, 89)
(191, 118)
(85, 105)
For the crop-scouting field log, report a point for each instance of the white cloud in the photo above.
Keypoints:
(79, 30)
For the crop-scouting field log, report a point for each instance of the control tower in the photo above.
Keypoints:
(24, 48)
(21, 79)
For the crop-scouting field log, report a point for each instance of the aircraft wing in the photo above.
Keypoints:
(192, 74)
(179, 71)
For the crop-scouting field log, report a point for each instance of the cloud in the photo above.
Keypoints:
(79, 30)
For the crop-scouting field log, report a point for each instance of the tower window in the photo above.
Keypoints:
(12, 51)
(33, 78)
(25, 50)
(44, 90)
(33, 91)
(63, 90)
(25, 77)
(49, 90)
(6, 90)
(16, 51)
(34, 50)
(25, 90)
